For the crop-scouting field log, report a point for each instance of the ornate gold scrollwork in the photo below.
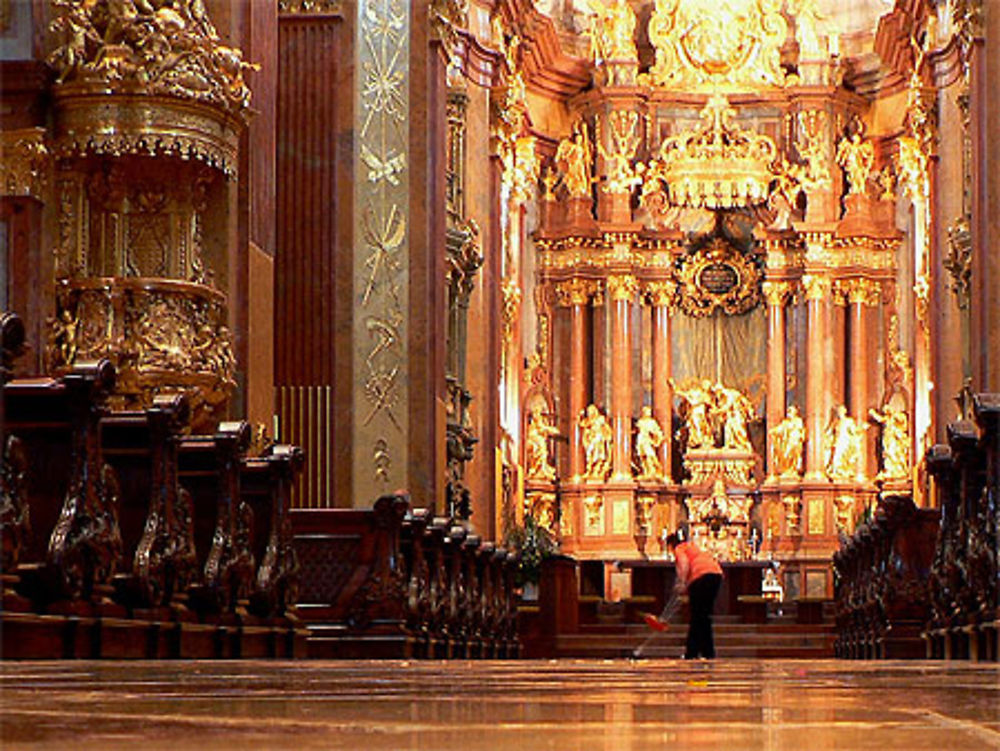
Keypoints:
(23, 162)
(132, 47)
(717, 165)
(718, 276)
(162, 334)
(734, 44)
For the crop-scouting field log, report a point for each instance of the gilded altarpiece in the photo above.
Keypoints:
(721, 246)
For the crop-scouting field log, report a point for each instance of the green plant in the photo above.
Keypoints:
(533, 543)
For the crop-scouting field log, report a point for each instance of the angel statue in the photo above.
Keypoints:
(648, 438)
(574, 160)
(537, 445)
(596, 437)
(857, 157)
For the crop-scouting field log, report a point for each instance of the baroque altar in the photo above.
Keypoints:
(717, 296)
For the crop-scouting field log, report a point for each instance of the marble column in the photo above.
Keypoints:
(621, 294)
(575, 295)
(776, 295)
(661, 295)
(861, 294)
(817, 289)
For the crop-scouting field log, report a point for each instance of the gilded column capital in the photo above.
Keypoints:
(866, 292)
(574, 292)
(776, 293)
(622, 287)
(333, 7)
(661, 294)
(816, 287)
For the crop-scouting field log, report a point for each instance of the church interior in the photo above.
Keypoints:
(375, 347)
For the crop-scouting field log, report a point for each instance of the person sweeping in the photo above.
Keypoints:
(700, 575)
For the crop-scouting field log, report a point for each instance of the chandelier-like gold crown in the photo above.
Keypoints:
(718, 165)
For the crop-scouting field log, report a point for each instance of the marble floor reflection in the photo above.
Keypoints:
(517, 706)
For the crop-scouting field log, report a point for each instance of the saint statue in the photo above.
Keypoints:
(736, 412)
(857, 157)
(537, 445)
(895, 441)
(807, 18)
(574, 160)
(596, 437)
(613, 31)
(649, 436)
(788, 438)
(700, 403)
(844, 444)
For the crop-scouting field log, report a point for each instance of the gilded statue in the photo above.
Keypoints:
(788, 439)
(620, 175)
(63, 337)
(596, 437)
(648, 439)
(613, 40)
(807, 19)
(540, 430)
(895, 441)
(857, 157)
(700, 405)
(735, 412)
(574, 160)
(844, 446)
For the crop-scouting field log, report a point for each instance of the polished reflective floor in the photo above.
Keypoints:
(524, 706)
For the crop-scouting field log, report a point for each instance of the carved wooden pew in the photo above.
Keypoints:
(415, 544)
(159, 561)
(353, 595)
(987, 409)
(265, 486)
(65, 566)
(209, 468)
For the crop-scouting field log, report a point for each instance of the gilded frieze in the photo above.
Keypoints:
(381, 265)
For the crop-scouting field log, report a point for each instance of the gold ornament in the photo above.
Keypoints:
(732, 44)
(718, 276)
(622, 129)
(718, 165)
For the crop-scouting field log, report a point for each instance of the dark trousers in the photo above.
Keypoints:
(701, 596)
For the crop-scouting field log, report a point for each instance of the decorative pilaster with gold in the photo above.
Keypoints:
(381, 265)
(622, 290)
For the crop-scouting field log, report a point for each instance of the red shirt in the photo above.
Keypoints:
(693, 563)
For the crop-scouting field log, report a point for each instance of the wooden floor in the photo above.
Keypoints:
(612, 705)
